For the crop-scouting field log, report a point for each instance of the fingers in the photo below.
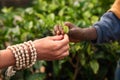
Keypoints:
(65, 39)
(63, 51)
(61, 56)
(61, 30)
(63, 42)
(57, 37)
(58, 30)
(70, 25)
(57, 54)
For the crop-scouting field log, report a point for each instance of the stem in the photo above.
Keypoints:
(76, 69)
(70, 60)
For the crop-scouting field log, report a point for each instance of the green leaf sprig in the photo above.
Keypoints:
(64, 27)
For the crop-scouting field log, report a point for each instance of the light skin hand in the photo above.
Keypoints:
(52, 48)
(48, 48)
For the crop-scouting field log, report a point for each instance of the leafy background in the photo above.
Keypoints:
(20, 22)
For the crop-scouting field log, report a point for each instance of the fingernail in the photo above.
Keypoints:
(57, 32)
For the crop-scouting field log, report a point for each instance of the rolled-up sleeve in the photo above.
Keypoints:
(108, 28)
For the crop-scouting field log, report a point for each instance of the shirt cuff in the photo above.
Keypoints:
(99, 35)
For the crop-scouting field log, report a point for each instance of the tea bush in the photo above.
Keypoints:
(86, 61)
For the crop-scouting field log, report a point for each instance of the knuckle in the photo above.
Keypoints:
(56, 46)
(48, 37)
(68, 46)
(67, 53)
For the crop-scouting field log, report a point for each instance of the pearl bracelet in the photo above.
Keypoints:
(22, 57)
(33, 52)
(16, 56)
(26, 54)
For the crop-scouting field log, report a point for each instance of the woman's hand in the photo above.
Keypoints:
(52, 48)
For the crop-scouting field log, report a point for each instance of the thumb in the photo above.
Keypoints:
(57, 37)
(69, 24)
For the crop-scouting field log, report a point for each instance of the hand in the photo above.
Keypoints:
(52, 48)
(75, 33)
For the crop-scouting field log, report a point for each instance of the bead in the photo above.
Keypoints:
(22, 57)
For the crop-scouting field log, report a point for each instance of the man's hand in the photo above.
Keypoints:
(75, 33)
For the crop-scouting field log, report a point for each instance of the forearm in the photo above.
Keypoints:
(82, 34)
(89, 33)
(6, 58)
(105, 30)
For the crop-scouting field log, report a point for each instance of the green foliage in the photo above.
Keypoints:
(85, 62)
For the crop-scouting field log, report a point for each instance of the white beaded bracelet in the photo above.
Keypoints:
(22, 57)
(15, 55)
(10, 71)
(33, 53)
(26, 55)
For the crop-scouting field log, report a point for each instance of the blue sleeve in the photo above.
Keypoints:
(108, 28)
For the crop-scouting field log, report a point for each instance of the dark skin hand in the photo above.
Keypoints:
(77, 34)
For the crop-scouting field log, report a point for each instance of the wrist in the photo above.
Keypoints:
(89, 33)
(37, 47)
(6, 58)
